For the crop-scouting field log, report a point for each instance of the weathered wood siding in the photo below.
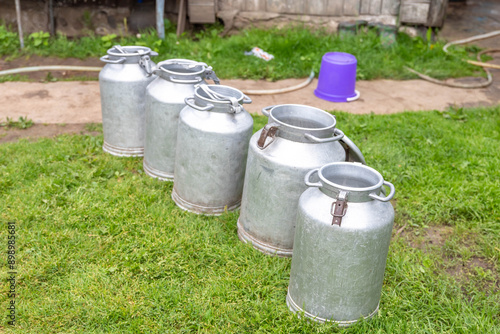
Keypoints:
(414, 11)
(201, 11)
(426, 12)
(317, 7)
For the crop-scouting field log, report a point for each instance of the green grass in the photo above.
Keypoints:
(102, 247)
(296, 51)
(16, 77)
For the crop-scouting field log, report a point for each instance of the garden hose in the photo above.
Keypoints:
(281, 90)
(97, 69)
(51, 68)
(483, 65)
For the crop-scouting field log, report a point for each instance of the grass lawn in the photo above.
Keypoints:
(102, 248)
(296, 50)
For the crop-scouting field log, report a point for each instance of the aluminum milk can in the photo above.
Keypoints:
(123, 82)
(164, 101)
(212, 146)
(296, 139)
(342, 234)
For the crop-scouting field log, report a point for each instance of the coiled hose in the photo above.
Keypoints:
(484, 66)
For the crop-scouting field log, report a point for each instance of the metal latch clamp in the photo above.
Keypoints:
(339, 208)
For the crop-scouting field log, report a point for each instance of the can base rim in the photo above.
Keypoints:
(123, 151)
(156, 173)
(261, 246)
(344, 323)
(204, 210)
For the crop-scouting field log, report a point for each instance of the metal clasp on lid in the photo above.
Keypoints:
(210, 74)
(145, 63)
(339, 208)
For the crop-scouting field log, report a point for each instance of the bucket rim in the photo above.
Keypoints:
(147, 51)
(320, 111)
(339, 58)
(179, 61)
(351, 165)
(208, 100)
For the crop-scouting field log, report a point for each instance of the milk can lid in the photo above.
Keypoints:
(182, 67)
(130, 51)
(358, 183)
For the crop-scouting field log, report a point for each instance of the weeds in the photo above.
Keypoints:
(21, 123)
(296, 51)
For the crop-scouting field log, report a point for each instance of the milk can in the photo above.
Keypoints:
(164, 101)
(296, 139)
(123, 82)
(212, 146)
(342, 234)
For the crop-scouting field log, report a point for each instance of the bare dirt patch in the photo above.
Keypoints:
(473, 270)
(433, 237)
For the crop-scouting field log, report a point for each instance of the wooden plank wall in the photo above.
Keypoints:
(437, 12)
(414, 11)
(318, 7)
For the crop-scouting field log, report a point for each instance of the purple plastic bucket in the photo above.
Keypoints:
(337, 78)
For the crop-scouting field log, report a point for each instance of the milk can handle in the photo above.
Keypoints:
(308, 177)
(388, 197)
(353, 153)
(246, 100)
(265, 111)
(339, 135)
(194, 106)
(192, 81)
(210, 74)
(109, 61)
(269, 130)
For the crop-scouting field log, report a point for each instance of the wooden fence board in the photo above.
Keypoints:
(276, 6)
(375, 7)
(255, 5)
(414, 11)
(201, 11)
(351, 7)
(334, 7)
(437, 11)
(390, 7)
(365, 7)
(295, 6)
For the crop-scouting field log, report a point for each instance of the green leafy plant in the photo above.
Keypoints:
(21, 123)
(40, 38)
(9, 41)
(455, 113)
(107, 41)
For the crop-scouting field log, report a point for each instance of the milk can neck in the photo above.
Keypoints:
(297, 122)
(357, 181)
(219, 98)
(181, 71)
(129, 54)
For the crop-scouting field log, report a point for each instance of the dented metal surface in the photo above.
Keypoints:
(212, 146)
(296, 139)
(122, 84)
(338, 269)
(176, 80)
